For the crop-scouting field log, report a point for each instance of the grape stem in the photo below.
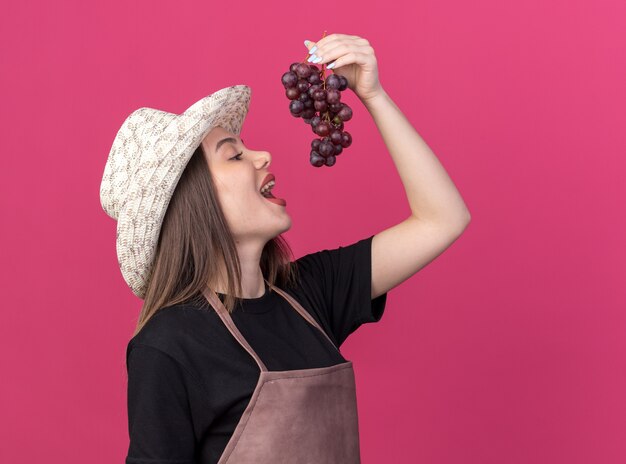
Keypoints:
(324, 68)
(326, 114)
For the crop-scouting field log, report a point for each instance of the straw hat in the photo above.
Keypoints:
(148, 156)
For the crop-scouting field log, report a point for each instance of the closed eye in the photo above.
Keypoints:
(237, 156)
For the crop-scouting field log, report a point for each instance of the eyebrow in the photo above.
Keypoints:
(226, 140)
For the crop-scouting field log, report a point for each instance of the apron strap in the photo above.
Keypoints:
(230, 325)
(223, 313)
(303, 312)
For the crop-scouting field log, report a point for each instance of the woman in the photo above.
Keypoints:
(223, 300)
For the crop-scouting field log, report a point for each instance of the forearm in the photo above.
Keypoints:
(430, 191)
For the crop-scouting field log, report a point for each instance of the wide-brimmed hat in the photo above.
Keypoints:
(148, 156)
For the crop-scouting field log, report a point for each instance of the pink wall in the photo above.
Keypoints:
(509, 348)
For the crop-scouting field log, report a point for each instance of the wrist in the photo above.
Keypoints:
(374, 99)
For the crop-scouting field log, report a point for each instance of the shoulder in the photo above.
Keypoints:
(327, 255)
(170, 328)
(336, 284)
(321, 267)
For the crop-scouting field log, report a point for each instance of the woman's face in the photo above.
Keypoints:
(238, 180)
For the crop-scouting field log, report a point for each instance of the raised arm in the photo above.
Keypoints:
(438, 213)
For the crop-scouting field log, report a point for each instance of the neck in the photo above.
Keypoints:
(252, 282)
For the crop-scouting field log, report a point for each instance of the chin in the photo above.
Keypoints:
(286, 226)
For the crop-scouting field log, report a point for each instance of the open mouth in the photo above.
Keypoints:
(266, 191)
(271, 198)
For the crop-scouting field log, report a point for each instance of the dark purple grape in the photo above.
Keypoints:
(292, 93)
(346, 139)
(333, 96)
(315, 120)
(289, 79)
(333, 82)
(314, 78)
(303, 70)
(326, 148)
(335, 136)
(296, 107)
(345, 113)
(335, 107)
(316, 160)
(312, 89)
(318, 102)
(323, 128)
(302, 85)
(320, 105)
(319, 94)
(308, 113)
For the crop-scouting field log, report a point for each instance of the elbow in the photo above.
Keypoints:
(455, 223)
(467, 217)
(462, 221)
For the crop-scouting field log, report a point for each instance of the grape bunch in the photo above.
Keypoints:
(316, 99)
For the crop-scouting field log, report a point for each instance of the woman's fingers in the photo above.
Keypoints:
(354, 55)
(349, 58)
(328, 39)
(338, 50)
(334, 39)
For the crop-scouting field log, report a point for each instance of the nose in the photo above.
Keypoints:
(263, 159)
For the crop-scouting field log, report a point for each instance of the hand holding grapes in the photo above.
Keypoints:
(316, 98)
(353, 58)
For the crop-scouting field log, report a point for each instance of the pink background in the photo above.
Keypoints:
(509, 348)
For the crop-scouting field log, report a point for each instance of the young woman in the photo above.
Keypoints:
(236, 358)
